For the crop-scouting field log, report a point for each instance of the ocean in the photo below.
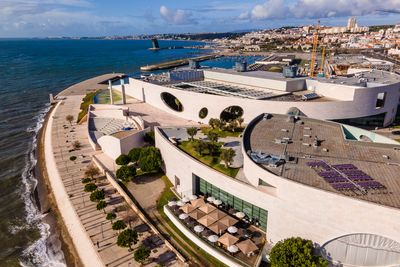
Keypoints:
(29, 70)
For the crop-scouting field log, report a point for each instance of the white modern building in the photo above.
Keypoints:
(334, 184)
(366, 98)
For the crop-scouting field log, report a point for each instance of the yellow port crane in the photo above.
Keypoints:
(314, 51)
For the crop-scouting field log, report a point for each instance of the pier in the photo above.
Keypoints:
(177, 63)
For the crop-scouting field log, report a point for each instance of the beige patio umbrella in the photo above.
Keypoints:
(217, 214)
(196, 214)
(206, 220)
(247, 246)
(187, 208)
(217, 227)
(228, 240)
(207, 208)
(228, 221)
(197, 203)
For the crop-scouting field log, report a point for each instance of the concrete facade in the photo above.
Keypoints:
(343, 101)
(294, 209)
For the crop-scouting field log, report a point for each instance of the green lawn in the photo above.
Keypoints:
(222, 133)
(86, 102)
(212, 161)
(167, 195)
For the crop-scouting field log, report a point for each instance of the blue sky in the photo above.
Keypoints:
(42, 18)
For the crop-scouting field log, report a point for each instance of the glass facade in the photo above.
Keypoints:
(370, 121)
(253, 212)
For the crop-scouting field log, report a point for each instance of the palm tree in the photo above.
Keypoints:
(227, 156)
(92, 171)
(69, 118)
(192, 131)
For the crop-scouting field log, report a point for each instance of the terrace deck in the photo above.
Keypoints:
(367, 157)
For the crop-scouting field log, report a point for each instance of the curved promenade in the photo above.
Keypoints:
(90, 232)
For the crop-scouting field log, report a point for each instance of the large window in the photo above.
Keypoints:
(370, 121)
(380, 100)
(253, 212)
(172, 102)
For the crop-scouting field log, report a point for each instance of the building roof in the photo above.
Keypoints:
(358, 169)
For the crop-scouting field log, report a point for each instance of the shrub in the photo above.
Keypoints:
(97, 195)
(150, 159)
(141, 254)
(90, 187)
(123, 160)
(295, 251)
(126, 238)
(72, 158)
(149, 137)
(126, 173)
(134, 154)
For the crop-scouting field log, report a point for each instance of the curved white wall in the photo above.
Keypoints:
(362, 105)
(295, 209)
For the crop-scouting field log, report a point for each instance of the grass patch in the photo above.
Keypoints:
(86, 102)
(211, 160)
(167, 195)
(222, 133)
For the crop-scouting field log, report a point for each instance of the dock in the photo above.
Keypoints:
(177, 63)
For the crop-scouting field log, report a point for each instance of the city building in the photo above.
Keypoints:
(364, 97)
(334, 184)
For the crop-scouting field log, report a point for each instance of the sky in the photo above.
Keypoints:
(54, 18)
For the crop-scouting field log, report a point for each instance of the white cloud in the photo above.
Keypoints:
(176, 16)
(280, 9)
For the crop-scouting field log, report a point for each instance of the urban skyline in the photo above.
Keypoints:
(33, 18)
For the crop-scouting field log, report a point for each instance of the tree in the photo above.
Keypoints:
(141, 254)
(126, 173)
(295, 251)
(101, 205)
(92, 171)
(97, 195)
(69, 118)
(200, 146)
(134, 154)
(227, 156)
(212, 136)
(118, 225)
(149, 137)
(126, 238)
(215, 123)
(192, 131)
(212, 147)
(76, 145)
(90, 187)
(150, 159)
(111, 216)
(123, 160)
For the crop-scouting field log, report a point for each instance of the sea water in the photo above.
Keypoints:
(29, 71)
